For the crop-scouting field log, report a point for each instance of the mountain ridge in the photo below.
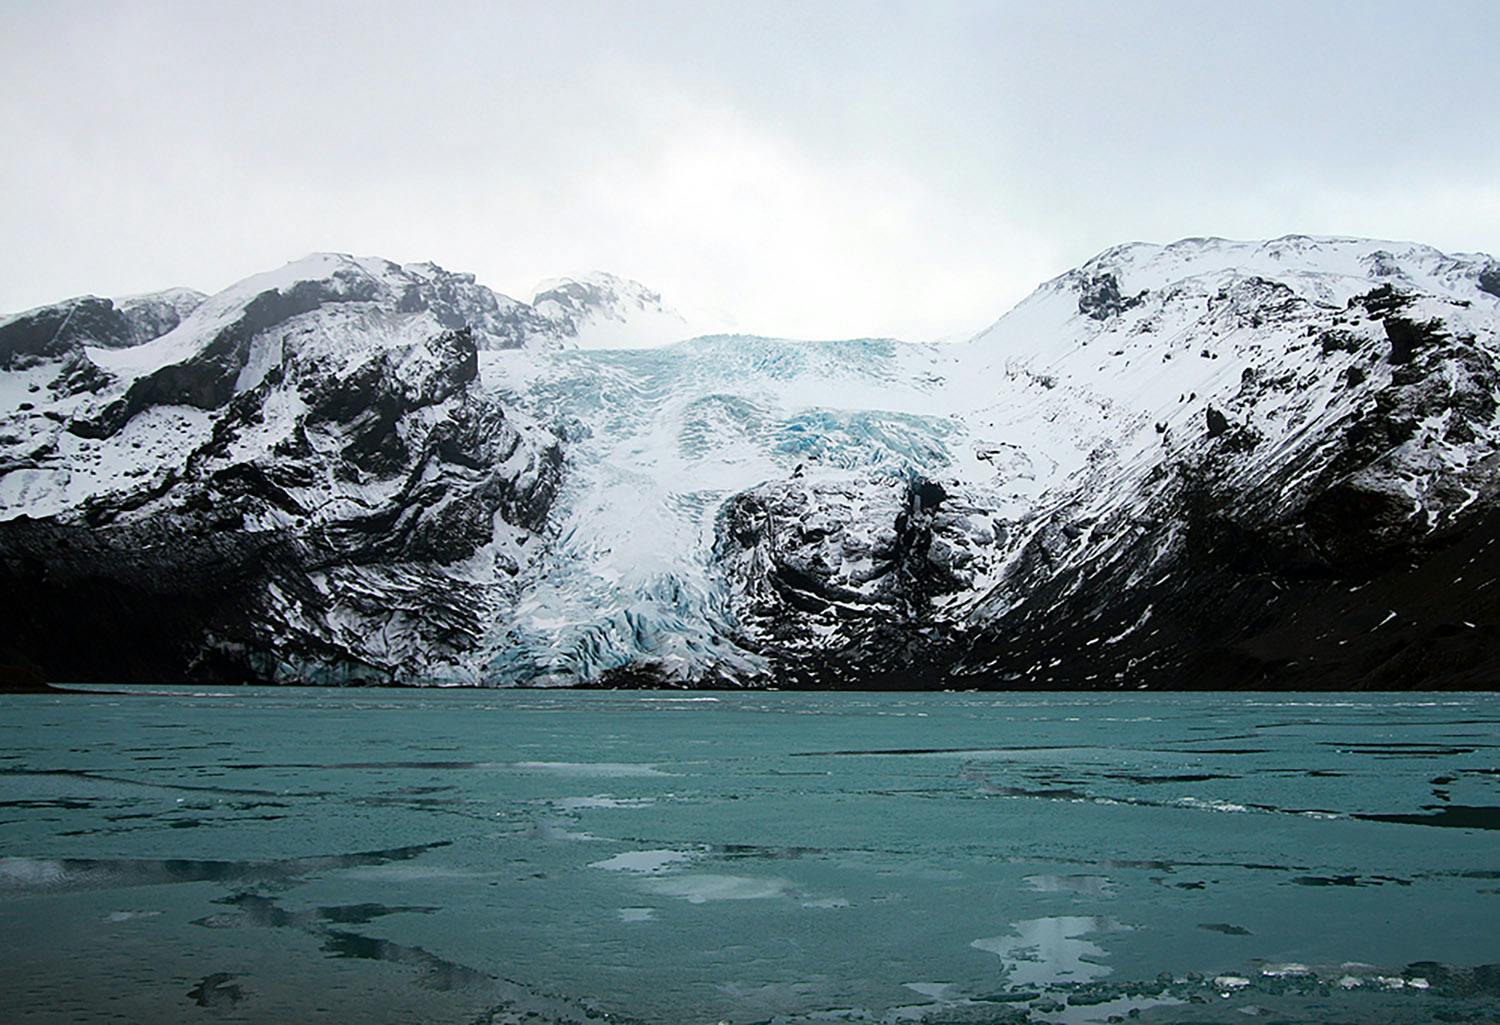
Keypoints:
(1195, 464)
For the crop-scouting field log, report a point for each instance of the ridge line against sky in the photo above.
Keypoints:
(826, 170)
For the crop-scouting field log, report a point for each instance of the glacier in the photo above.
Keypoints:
(1209, 463)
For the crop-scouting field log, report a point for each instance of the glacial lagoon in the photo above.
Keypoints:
(301, 855)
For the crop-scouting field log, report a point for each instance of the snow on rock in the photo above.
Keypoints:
(601, 311)
(60, 329)
(329, 498)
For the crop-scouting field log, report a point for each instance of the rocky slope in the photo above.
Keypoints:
(1209, 464)
(300, 481)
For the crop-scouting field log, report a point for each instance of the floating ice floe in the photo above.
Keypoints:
(703, 887)
(1231, 982)
(644, 862)
(593, 768)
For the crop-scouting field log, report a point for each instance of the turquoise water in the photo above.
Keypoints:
(333, 856)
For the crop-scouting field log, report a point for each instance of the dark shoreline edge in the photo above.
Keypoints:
(135, 689)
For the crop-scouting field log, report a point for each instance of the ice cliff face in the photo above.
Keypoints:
(1211, 463)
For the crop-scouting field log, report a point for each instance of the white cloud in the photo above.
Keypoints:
(816, 170)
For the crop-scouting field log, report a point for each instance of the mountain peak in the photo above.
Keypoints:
(604, 311)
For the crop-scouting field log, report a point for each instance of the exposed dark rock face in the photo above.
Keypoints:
(78, 374)
(138, 601)
(1489, 280)
(455, 301)
(1408, 336)
(20, 675)
(835, 598)
(1099, 297)
(54, 332)
(1238, 605)
(153, 315)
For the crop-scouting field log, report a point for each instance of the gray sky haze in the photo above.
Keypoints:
(816, 169)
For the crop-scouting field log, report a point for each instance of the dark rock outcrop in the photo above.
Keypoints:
(834, 600)
(1099, 297)
(1489, 280)
(55, 332)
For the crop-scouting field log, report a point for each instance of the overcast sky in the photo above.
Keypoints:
(816, 169)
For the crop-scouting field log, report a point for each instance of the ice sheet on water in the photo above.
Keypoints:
(1093, 886)
(882, 868)
(602, 801)
(593, 768)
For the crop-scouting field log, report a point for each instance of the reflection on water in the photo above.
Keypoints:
(216, 990)
(22, 874)
(1085, 885)
(324, 857)
(1046, 951)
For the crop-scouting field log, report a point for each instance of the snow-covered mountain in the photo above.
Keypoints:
(1210, 463)
(601, 311)
(598, 311)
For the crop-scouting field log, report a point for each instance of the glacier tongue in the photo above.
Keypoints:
(657, 441)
